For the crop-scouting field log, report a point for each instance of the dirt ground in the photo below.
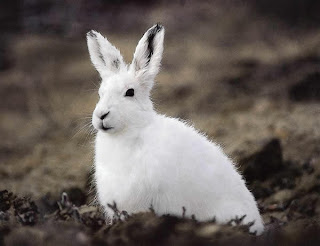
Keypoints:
(251, 84)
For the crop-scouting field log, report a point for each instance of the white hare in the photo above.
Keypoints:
(145, 159)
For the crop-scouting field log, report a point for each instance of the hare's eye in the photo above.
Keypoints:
(130, 93)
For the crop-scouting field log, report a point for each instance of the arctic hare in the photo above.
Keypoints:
(145, 159)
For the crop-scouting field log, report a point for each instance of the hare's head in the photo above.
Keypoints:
(125, 89)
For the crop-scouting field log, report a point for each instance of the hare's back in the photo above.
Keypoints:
(172, 140)
(181, 156)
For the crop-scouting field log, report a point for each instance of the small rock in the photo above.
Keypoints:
(308, 167)
(264, 163)
(4, 216)
(209, 230)
(5, 200)
(307, 89)
(275, 207)
(260, 191)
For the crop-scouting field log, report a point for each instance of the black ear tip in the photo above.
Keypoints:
(159, 26)
(91, 34)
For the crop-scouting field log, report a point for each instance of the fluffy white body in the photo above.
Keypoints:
(144, 159)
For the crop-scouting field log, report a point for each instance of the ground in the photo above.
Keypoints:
(250, 84)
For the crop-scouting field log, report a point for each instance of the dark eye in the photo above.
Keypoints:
(130, 93)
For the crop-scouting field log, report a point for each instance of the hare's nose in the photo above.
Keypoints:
(104, 115)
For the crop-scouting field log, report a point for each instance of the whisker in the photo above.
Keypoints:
(95, 85)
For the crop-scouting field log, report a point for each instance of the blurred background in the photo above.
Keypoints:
(244, 72)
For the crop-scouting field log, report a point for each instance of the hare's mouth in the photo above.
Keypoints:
(106, 128)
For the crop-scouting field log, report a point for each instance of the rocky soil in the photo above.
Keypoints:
(288, 195)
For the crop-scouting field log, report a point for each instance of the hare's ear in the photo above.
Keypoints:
(105, 57)
(148, 54)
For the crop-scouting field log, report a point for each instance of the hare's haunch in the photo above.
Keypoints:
(145, 159)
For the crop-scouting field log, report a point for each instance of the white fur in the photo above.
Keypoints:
(149, 159)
